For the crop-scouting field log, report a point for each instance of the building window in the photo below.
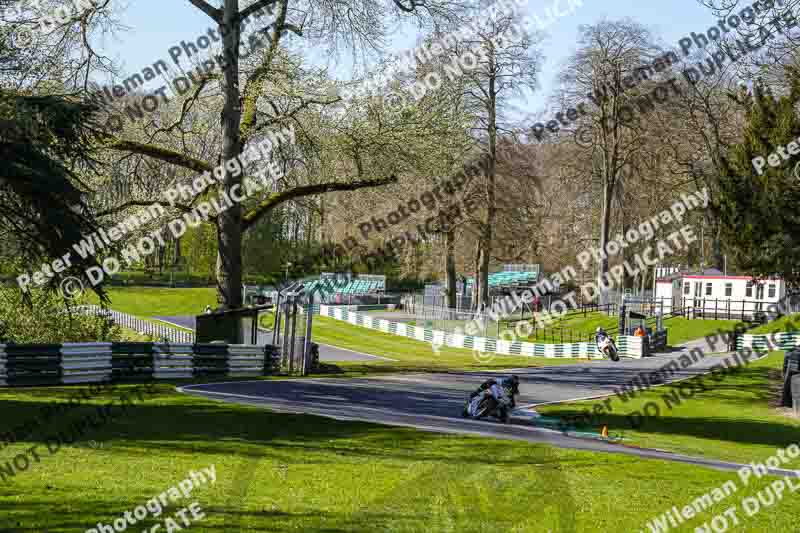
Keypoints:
(686, 288)
(709, 289)
(748, 291)
(771, 289)
(729, 289)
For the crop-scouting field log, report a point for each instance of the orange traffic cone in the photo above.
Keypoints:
(604, 432)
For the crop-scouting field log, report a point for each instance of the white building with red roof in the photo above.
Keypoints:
(715, 294)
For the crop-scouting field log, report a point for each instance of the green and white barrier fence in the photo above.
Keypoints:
(628, 346)
(772, 341)
(56, 364)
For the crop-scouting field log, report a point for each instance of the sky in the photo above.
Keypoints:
(156, 25)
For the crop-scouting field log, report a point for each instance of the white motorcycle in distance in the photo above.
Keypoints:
(606, 345)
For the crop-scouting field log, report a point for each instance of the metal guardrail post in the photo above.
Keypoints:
(307, 343)
(293, 318)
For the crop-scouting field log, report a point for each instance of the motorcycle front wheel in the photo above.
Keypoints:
(612, 353)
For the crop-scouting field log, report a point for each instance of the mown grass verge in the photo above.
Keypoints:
(735, 418)
(410, 354)
(282, 472)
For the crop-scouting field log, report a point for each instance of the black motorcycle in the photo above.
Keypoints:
(482, 403)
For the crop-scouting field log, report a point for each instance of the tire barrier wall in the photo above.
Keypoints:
(769, 342)
(796, 393)
(483, 344)
(791, 380)
(2, 366)
(658, 341)
(631, 346)
(57, 364)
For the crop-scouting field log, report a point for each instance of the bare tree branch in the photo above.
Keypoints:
(253, 8)
(162, 154)
(274, 200)
(205, 7)
(142, 203)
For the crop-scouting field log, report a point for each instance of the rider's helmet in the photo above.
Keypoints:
(599, 330)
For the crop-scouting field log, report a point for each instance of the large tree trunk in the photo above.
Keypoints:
(717, 258)
(229, 227)
(450, 267)
(628, 281)
(176, 260)
(476, 286)
(483, 268)
(491, 208)
(605, 228)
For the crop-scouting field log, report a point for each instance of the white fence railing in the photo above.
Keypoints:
(156, 330)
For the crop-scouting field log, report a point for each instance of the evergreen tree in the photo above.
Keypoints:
(758, 211)
(45, 144)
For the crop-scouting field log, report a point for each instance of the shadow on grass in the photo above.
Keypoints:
(169, 425)
(741, 403)
(173, 422)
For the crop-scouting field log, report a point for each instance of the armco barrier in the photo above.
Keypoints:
(245, 360)
(483, 344)
(86, 362)
(173, 361)
(769, 342)
(56, 364)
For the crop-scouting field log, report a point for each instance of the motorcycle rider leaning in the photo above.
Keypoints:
(600, 336)
(500, 392)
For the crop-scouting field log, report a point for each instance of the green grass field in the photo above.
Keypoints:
(735, 419)
(283, 472)
(147, 302)
(410, 354)
(584, 326)
(581, 328)
(784, 323)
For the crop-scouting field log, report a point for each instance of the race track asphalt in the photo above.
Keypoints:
(433, 401)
